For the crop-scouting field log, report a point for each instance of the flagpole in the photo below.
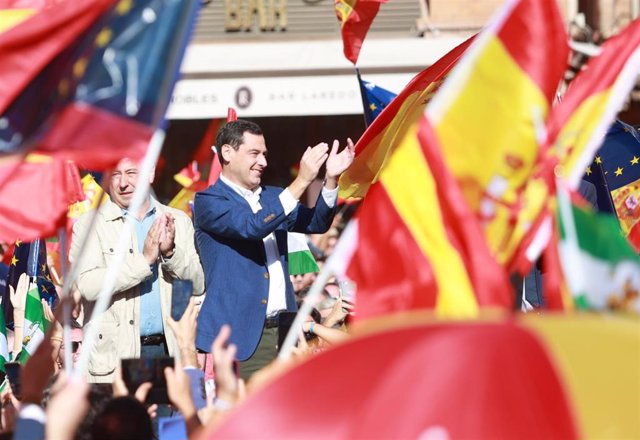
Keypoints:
(66, 306)
(106, 291)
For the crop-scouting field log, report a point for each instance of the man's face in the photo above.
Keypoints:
(122, 184)
(247, 163)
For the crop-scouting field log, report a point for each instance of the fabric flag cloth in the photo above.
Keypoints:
(488, 116)
(374, 99)
(4, 345)
(29, 258)
(101, 79)
(27, 211)
(433, 254)
(300, 257)
(580, 121)
(615, 171)
(601, 268)
(35, 325)
(189, 178)
(355, 17)
(438, 381)
(378, 142)
(87, 81)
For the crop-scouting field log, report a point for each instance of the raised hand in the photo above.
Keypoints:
(337, 163)
(151, 250)
(167, 234)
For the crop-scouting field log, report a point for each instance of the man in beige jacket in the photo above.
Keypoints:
(161, 249)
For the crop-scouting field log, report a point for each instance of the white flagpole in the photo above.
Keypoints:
(104, 297)
(66, 306)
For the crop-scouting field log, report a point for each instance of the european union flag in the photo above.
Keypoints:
(29, 258)
(374, 99)
(615, 171)
(105, 91)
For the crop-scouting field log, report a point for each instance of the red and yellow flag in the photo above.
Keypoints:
(355, 17)
(578, 124)
(433, 254)
(486, 117)
(383, 136)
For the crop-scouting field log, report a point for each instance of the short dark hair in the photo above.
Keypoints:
(232, 133)
(122, 418)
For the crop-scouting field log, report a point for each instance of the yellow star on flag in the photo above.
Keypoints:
(635, 160)
(598, 160)
(14, 260)
(124, 6)
(103, 37)
(589, 171)
(619, 171)
(373, 107)
(18, 242)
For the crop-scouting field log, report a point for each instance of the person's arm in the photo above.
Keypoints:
(93, 266)
(331, 335)
(18, 298)
(62, 422)
(185, 333)
(179, 391)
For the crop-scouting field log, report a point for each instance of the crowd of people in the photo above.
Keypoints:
(225, 345)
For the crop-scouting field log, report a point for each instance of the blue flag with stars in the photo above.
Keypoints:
(104, 92)
(615, 171)
(374, 99)
(29, 258)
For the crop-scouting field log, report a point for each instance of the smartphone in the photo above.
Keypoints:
(180, 295)
(13, 377)
(136, 371)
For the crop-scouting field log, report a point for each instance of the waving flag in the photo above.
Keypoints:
(4, 346)
(383, 136)
(83, 80)
(374, 99)
(355, 18)
(35, 325)
(417, 381)
(433, 254)
(579, 123)
(490, 113)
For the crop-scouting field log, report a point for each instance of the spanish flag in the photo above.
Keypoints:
(579, 123)
(489, 116)
(384, 134)
(355, 18)
(433, 254)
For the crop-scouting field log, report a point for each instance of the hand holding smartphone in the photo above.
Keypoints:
(13, 377)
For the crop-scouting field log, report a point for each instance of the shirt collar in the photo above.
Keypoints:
(245, 193)
(114, 212)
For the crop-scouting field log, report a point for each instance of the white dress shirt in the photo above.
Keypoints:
(277, 282)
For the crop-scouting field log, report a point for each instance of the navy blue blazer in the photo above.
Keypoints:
(229, 238)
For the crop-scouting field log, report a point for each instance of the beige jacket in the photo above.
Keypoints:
(119, 334)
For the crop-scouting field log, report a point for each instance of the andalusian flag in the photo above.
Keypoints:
(355, 18)
(601, 269)
(489, 117)
(4, 346)
(415, 244)
(300, 258)
(384, 134)
(579, 123)
(35, 324)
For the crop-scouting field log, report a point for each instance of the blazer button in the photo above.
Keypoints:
(110, 249)
(131, 322)
(100, 336)
(263, 301)
(266, 275)
(131, 251)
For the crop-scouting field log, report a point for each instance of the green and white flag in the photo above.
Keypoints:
(4, 346)
(35, 325)
(300, 258)
(601, 269)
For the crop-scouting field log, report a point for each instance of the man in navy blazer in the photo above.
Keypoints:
(241, 230)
